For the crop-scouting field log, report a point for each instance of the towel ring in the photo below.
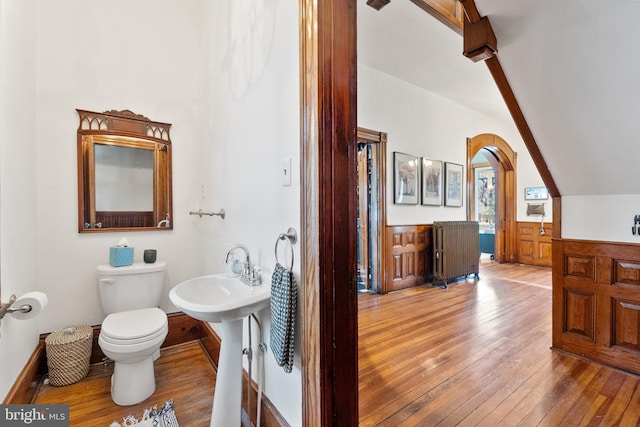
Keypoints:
(292, 236)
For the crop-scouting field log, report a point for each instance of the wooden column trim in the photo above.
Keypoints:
(557, 216)
(328, 212)
(312, 397)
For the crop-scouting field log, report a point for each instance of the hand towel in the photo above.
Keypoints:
(284, 298)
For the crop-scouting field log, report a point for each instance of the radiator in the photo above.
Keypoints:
(456, 250)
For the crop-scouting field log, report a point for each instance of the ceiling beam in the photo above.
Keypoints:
(495, 68)
(470, 10)
(449, 12)
(479, 41)
(473, 17)
(377, 4)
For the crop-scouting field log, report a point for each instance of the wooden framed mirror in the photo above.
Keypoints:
(124, 173)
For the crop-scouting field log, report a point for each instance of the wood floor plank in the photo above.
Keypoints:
(583, 408)
(537, 390)
(621, 402)
(500, 386)
(478, 354)
(183, 373)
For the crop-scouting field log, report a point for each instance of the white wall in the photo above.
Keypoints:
(18, 182)
(606, 217)
(423, 124)
(252, 104)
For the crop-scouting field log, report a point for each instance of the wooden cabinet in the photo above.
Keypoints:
(596, 308)
(408, 256)
(534, 249)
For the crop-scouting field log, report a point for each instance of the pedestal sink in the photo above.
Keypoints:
(222, 299)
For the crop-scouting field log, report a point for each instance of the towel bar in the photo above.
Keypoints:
(201, 212)
(292, 236)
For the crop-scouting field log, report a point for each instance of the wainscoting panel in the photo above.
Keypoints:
(626, 324)
(408, 260)
(534, 249)
(626, 273)
(596, 309)
(579, 313)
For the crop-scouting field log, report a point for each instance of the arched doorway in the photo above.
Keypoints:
(503, 161)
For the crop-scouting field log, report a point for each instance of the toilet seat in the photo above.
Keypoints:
(134, 327)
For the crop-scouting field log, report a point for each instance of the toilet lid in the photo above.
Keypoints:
(134, 324)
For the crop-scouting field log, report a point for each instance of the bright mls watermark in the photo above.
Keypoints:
(34, 415)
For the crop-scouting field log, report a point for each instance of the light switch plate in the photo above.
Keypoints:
(286, 172)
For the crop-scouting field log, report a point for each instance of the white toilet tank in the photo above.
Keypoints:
(130, 287)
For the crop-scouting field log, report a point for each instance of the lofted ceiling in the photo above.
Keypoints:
(571, 65)
(404, 41)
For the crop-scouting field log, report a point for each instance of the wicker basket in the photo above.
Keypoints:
(69, 354)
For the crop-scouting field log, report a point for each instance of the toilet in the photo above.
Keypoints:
(134, 329)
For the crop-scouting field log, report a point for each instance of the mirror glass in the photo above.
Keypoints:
(124, 172)
(124, 178)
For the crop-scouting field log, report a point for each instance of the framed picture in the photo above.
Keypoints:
(453, 184)
(431, 182)
(405, 179)
(536, 193)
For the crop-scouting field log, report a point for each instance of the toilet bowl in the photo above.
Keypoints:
(134, 329)
(132, 339)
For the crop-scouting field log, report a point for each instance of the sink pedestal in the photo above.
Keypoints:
(226, 300)
(227, 399)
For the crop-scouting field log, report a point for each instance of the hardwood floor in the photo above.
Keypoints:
(478, 354)
(184, 373)
(475, 354)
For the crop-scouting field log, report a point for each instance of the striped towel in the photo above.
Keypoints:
(284, 298)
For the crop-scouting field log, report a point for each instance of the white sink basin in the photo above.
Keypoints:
(219, 298)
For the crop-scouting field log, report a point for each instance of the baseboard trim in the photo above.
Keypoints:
(182, 329)
(25, 387)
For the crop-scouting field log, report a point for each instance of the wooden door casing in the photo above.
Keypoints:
(505, 168)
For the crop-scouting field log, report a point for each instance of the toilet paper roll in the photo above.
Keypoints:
(37, 301)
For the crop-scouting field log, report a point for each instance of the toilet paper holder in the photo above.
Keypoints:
(6, 308)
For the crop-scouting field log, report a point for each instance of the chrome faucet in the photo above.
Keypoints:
(249, 274)
(165, 222)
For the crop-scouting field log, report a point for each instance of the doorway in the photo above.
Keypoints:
(483, 201)
(501, 161)
(372, 154)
